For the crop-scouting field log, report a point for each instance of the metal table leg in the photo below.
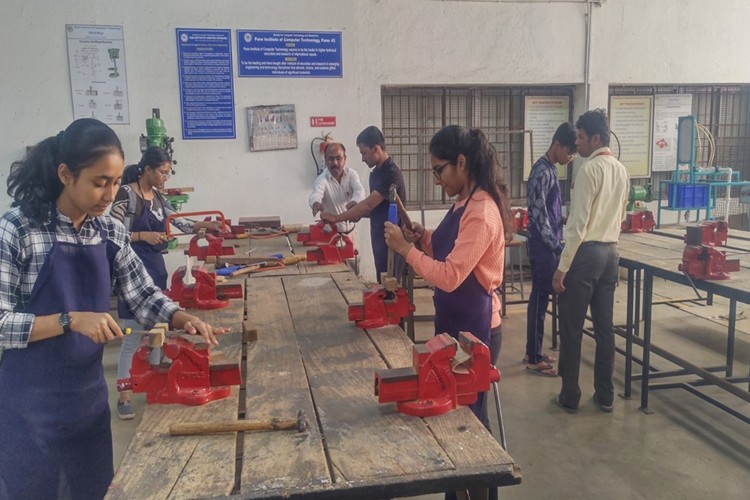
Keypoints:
(648, 289)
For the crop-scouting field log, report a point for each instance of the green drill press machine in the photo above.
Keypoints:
(156, 135)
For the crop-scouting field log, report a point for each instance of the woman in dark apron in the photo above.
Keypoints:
(60, 260)
(463, 258)
(143, 210)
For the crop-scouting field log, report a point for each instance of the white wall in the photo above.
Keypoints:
(385, 42)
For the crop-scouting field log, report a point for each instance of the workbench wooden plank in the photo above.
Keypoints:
(155, 467)
(264, 247)
(365, 441)
(666, 252)
(350, 286)
(159, 466)
(459, 432)
(315, 268)
(393, 345)
(276, 386)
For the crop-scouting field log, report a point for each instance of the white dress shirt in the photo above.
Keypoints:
(335, 195)
(597, 206)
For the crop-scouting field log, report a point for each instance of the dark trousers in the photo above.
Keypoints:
(590, 281)
(543, 265)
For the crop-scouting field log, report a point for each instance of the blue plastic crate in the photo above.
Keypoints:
(683, 195)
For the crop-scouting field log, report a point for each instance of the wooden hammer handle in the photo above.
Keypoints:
(405, 220)
(245, 270)
(200, 428)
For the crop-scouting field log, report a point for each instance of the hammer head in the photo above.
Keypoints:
(392, 194)
(302, 422)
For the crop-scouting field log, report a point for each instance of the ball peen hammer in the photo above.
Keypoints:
(301, 424)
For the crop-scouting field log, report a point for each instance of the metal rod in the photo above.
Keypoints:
(637, 310)
(708, 399)
(500, 425)
(629, 336)
(730, 337)
(648, 283)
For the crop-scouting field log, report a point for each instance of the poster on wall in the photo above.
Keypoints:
(272, 127)
(542, 115)
(630, 120)
(96, 59)
(289, 54)
(667, 109)
(204, 61)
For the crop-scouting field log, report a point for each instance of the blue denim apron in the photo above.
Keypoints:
(149, 254)
(56, 440)
(469, 307)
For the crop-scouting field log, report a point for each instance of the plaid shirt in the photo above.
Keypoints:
(23, 250)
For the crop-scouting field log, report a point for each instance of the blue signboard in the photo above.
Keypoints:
(289, 54)
(204, 59)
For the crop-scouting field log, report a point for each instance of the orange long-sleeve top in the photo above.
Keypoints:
(479, 249)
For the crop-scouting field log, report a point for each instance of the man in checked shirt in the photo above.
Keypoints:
(545, 242)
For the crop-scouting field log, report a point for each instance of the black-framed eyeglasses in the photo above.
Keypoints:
(438, 170)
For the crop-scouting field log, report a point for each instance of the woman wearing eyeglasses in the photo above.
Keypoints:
(463, 258)
(141, 207)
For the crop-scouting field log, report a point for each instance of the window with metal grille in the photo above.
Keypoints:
(412, 115)
(725, 110)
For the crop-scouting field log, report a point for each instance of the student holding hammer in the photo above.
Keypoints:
(463, 258)
(60, 260)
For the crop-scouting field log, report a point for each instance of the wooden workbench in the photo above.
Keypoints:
(309, 357)
(648, 256)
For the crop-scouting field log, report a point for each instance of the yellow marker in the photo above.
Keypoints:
(127, 331)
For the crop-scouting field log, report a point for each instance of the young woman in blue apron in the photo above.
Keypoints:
(463, 258)
(143, 210)
(60, 260)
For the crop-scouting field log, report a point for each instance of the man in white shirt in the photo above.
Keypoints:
(338, 187)
(587, 272)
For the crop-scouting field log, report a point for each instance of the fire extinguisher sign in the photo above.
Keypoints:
(322, 121)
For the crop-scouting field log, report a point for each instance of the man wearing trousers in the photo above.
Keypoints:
(587, 272)
(544, 242)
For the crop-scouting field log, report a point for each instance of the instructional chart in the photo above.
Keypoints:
(96, 58)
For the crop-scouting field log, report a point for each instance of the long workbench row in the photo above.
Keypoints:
(308, 357)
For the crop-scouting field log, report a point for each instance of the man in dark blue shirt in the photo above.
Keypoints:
(384, 172)
(545, 235)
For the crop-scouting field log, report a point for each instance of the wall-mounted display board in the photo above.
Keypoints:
(667, 109)
(630, 120)
(204, 62)
(542, 115)
(96, 58)
(272, 127)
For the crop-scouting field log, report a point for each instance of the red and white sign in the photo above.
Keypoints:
(322, 121)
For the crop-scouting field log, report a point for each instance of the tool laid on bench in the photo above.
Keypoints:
(386, 303)
(300, 424)
(332, 247)
(445, 373)
(205, 293)
(190, 379)
(215, 244)
(700, 259)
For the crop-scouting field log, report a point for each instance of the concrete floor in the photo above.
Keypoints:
(687, 449)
